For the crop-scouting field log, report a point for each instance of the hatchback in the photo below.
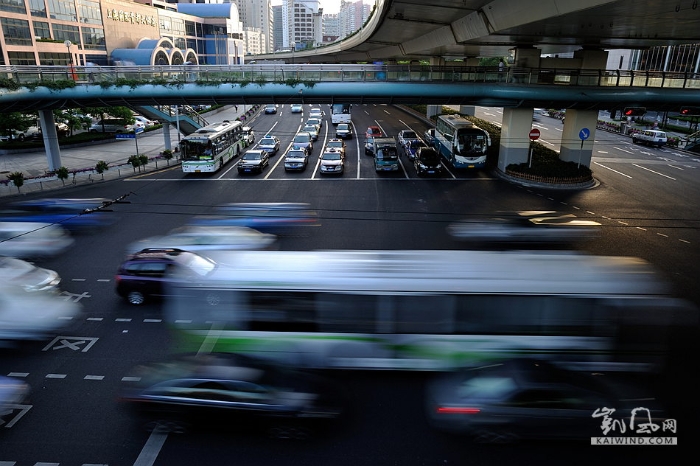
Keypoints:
(143, 276)
(373, 132)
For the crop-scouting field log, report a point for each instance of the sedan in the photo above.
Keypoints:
(527, 398)
(296, 159)
(543, 227)
(406, 136)
(270, 109)
(270, 144)
(373, 132)
(312, 130)
(343, 131)
(16, 272)
(427, 162)
(332, 162)
(253, 161)
(297, 108)
(232, 390)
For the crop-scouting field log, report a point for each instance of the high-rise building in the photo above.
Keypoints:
(277, 29)
(352, 16)
(301, 23)
(256, 15)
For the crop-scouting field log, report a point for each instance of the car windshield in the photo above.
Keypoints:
(429, 157)
(296, 154)
(267, 142)
(342, 127)
(331, 156)
(387, 153)
(302, 139)
(252, 156)
(310, 128)
(335, 145)
(409, 135)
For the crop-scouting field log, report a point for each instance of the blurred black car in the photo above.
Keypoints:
(427, 162)
(142, 276)
(233, 391)
(532, 399)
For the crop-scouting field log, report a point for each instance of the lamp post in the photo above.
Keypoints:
(68, 45)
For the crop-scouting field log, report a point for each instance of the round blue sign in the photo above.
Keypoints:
(584, 134)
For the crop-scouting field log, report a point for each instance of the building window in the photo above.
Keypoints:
(190, 28)
(13, 6)
(38, 8)
(16, 32)
(65, 32)
(21, 58)
(42, 30)
(94, 39)
(61, 59)
(63, 10)
(90, 12)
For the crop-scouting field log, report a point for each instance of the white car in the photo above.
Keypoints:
(296, 159)
(207, 238)
(16, 272)
(34, 315)
(248, 134)
(146, 122)
(297, 108)
(332, 162)
(30, 240)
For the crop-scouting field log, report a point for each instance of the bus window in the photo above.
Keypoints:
(347, 313)
(281, 311)
(424, 314)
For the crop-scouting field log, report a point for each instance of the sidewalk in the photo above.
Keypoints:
(81, 161)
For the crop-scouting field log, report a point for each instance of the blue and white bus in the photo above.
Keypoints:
(211, 147)
(461, 143)
(340, 113)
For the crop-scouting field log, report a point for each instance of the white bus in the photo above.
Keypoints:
(211, 147)
(428, 310)
(460, 142)
(341, 113)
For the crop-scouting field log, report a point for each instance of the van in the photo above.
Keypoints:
(111, 125)
(650, 137)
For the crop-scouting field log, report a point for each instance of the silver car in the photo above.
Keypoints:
(296, 159)
(16, 272)
(30, 240)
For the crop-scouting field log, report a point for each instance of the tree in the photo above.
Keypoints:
(143, 161)
(15, 121)
(167, 155)
(62, 174)
(116, 112)
(135, 161)
(17, 179)
(101, 167)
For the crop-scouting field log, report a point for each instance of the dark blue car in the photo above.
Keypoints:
(273, 217)
(72, 214)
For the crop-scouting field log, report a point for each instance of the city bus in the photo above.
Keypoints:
(428, 309)
(461, 143)
(340, 113)
(211, 147)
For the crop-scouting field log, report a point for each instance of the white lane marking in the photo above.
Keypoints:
(150, 451)
(94, 377)
(614, 171)
(18, 374)
(655, 172)
(152, 320)
(55, 376)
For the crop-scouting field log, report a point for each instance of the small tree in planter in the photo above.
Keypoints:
(143, 160)
(101, 167)
(134, 161)
(17, 179)
(167, 155)
(62, 174)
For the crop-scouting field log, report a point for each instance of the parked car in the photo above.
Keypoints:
(62, 130)
(233, 391)
(34, 315)
(269, 217)
(16, 272)
(332, 162)
(253, 161)
(207, 238)
(406, 136)
(143, 275)
(146, 122)
(529, 399)
(248, 135)
(297, 108)
(412, 147)
(428, 162)
(296, 159)
(374, 132)
(337, 144)
(32, 240)
(270, 109)
(270, 144)
(526, 227)
(650, 137)
(343, 131)
(304, 141)
(111, 125)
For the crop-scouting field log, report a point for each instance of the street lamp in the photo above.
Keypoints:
(68, 45)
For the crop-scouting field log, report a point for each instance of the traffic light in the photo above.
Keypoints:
(690, 111)
(634, 111)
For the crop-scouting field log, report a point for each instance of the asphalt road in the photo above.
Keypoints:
(646, 199)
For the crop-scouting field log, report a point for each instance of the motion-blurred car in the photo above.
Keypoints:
(16, 272)
(373, 132)
(530, 399)
(270, 109)
(268, 217)
(304, 141)
(428, 162)
(75, 215)
(207, 238)
(296, 159)
(297, 108)
(235, 391)
(111, 125)
(412, 147)
(526, 227)
(332, 162)
(142, 276)
(13, 392)
(253, 161)
(270, 144)
(31, 240)
(343, 131)
(33, 315)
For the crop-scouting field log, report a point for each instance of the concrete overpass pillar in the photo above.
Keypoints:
(575, 122)
(515, 137)
(48, 131)
(591, 60)
(166, 136)
(527, 57)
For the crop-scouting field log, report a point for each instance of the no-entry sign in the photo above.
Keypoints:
(534, 134)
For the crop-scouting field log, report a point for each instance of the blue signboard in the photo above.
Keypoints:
(126, 135)
(584, 134)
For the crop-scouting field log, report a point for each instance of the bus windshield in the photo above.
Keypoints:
(387, 153)
(470, 141)
(197, 149)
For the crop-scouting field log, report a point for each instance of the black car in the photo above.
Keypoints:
(143, 276)
(427, 162)
(271, 109)
(233, 391)
(254, 161)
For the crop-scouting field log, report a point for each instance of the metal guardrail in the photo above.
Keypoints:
(310, 73)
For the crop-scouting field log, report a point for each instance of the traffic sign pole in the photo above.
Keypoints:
(534, 136)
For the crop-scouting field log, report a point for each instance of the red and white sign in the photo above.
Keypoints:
(534, 134)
